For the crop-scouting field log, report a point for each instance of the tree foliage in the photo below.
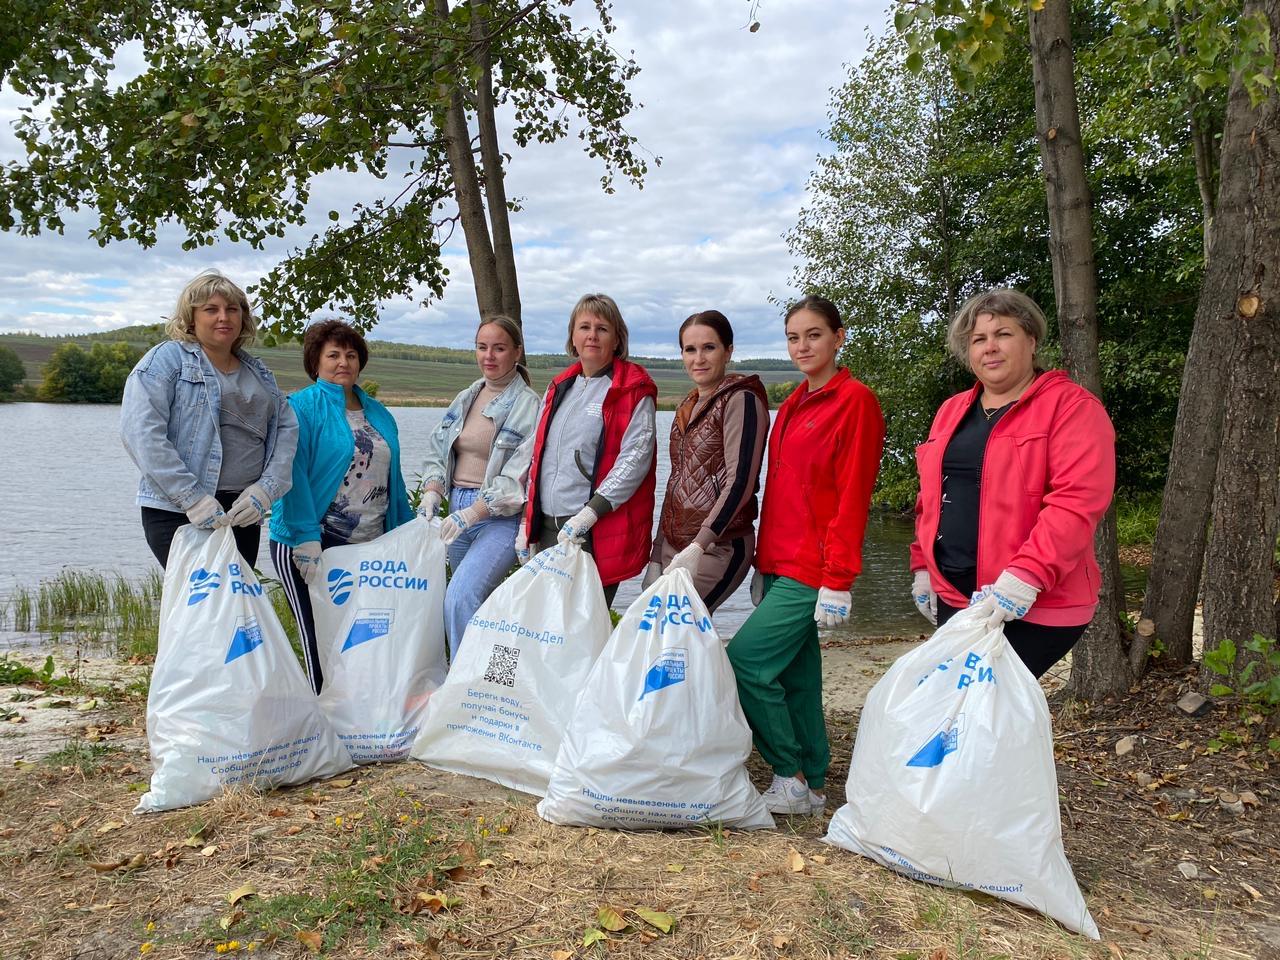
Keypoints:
(241, 105)
(12, 371)
(96, 375)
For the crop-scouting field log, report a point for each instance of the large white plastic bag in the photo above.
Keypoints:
(952, 779)
(229, 704)
(658, 740)
(523, 661)
(379, 613)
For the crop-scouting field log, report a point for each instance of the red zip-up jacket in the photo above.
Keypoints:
(824, 454)
(1048, 475)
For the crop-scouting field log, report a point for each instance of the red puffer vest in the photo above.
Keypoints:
(698, 466)
(620, 540)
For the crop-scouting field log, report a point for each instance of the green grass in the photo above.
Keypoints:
(839, 922)
(85, 757)
(91, 608)
(1136, 519)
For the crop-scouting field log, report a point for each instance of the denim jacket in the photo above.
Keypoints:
(169, 425)
(514, 413)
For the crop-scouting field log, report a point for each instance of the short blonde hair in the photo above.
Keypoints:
(999, 302)
(210, 283)
(603, 306)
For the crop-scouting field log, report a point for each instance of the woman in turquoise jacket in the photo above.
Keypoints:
(347, 485)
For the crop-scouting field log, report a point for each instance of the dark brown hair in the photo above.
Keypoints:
(714, 319)
(819, 305)
(331, 331)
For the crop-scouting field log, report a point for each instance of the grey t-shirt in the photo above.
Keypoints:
(243, 421)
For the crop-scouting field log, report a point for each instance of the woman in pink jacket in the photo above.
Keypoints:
(1014, 477)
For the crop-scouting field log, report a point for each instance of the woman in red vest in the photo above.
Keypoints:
(717, 443)
(824, 453)
(592, 476)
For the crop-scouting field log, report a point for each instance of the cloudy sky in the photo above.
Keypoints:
(735, 116)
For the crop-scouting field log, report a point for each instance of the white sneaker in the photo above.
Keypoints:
(790, 795)
(817, 804)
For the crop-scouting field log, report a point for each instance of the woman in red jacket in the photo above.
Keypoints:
(824, 453)
(1014, 477)
(593, 473)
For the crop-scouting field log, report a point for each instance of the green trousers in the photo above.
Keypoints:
(778, 664)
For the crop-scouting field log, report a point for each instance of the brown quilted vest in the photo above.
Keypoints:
(698, 472)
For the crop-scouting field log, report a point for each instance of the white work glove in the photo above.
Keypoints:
(457, 522)
(651, 573)
(576, 527)
(250, 508)
(1007, 599)
(686, 559)
(429, 505)
(206, 513)
(522, 546)
(832, 608)
(757, 587)
(926, 600)
(306, 557)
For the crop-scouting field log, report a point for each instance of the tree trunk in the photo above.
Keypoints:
(1201, 147)
(466, 189)
(1098, 665)
(494, 176)
(1173, 585)
(1239, 592)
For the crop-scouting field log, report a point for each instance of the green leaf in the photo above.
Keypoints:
(663, 921)
(593, 936)
(915, 61)
(1220, 690)
(611, 919)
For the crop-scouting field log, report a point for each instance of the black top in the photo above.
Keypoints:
(956, 548)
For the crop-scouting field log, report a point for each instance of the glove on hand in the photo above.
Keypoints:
(757, 587)
(576, 527)
(522, 546)
(250, 508)
(1007, 599)
(651, 573)
(926, 600)
(306, 557)
(429, 505)
(686, 559)
(832, 608)
(206, 513)
(457, 522)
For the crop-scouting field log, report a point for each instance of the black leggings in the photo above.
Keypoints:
(159, 526)
(1037, 646)
(299, 597)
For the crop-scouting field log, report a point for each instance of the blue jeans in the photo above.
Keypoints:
(479, 560)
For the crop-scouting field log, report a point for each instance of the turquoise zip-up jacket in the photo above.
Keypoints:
(325, 448)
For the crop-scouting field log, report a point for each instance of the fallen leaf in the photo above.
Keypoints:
(1249, 798)
(136, 861)
(292, 830)
(780, 942)
(465, 852)
(818, 858)
(663, 921)
(371, 864)
(209, 851)
(1141, 929)
(341, 784)
(1124, 746)
(939, 954)
(277, 812)
(1114, 951)
(87, 706)
(106, 867)
(239, 893)
(310, 939)
(795, 861)
(193, 841)
(1209, 893)
(231, 919)
(610, 919)
(561, 954)
(675, 868)
(593, 936)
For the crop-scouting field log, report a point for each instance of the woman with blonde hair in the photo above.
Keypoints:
(593, 471)
(479, 457)
(205, 422)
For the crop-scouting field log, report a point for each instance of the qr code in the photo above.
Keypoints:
(502, 665)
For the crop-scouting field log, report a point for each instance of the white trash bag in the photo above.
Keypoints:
(229, 705)
(952, 779)
(523, 661)
(379, 613)
(658, 740)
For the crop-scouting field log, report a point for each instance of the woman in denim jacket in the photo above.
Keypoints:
(347, 484)
(206, 424)
(479, 456)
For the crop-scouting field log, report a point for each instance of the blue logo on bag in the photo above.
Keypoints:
(672, 610)
(339, 582)
(945, 741)
(369, 625)
(203, 582)
(246, 639)
(666, 671)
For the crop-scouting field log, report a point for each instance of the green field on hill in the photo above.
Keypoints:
(406, 374)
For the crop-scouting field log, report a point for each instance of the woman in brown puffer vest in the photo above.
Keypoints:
(717, 445)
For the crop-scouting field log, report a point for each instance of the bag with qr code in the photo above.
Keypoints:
(523, 660)
(229, 706)
(379, 612)
(658, 740)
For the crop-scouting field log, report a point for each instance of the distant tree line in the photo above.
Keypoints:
(96, 375)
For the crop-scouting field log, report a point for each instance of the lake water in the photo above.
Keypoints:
(67, 501)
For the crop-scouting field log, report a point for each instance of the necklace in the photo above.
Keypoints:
(989, 413)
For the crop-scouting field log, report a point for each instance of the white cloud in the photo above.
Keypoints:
(734, 115)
